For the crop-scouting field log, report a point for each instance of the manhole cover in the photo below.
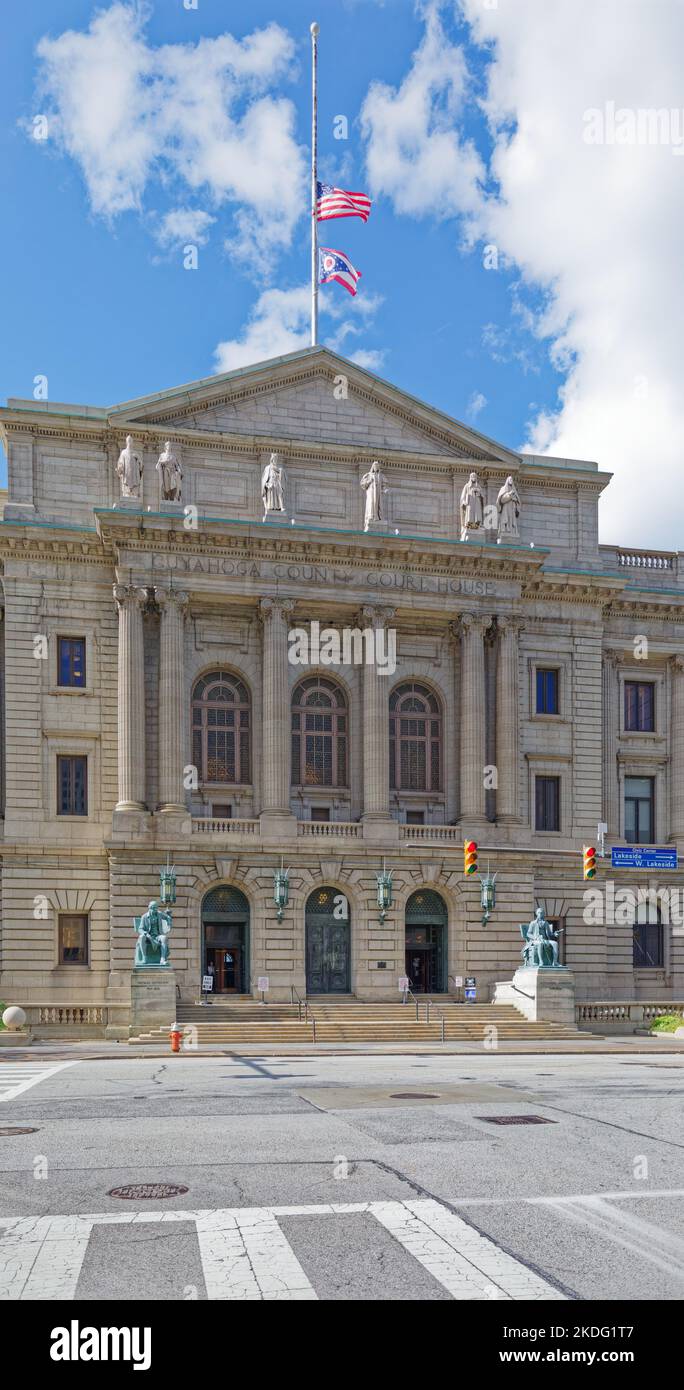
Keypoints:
(9, 1130)
(146, 1191)
(515, 1120)
(414, 1095)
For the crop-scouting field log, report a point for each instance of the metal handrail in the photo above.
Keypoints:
(301, 1003)
(406, 994)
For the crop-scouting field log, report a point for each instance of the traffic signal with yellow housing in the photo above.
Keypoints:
(588, 862)
(469, 857)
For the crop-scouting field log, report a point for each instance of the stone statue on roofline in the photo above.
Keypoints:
(170, 474)
(129, 469)
(508, 511)
(273, 485)
(375, 487)
(472, 507)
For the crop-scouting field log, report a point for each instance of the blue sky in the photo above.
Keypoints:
(92, 304)
(467, 124)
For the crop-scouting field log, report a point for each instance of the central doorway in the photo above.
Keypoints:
(328, 942)
(426, 942)
(225, 935)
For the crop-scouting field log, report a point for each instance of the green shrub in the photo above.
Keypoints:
(667, 1023)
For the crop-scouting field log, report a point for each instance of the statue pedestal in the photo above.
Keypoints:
(128, 504)
(153, 998)
(542, 993)
(275, 519)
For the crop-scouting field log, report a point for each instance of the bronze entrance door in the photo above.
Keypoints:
(328, 943)
(227, 968)
(225, 931)
(426, 942)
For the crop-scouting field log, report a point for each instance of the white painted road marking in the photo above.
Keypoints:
(17, 1077)
(245, 1254)
(641, 1238)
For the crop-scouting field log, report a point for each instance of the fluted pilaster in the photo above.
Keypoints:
(376, 726)
(131, 698)
(507, 720)
(173, 604)
(473, 716)
(275, 761)
(610, 724)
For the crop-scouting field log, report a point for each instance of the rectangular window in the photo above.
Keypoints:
(71, 661)
(639, 817)
(547, 803)
(547, 690)
(639, 706)
(320, 813)
(73, 938)
(222, 811)
(72, 786)
(415, 818)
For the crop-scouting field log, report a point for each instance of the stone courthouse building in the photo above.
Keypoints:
(151, 713)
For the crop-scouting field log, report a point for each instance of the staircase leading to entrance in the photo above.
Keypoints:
(349, 1020)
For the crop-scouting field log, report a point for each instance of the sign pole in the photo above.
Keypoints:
(314, 183)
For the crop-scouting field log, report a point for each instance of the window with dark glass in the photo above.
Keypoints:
(72, 786)
(73, 938)
(639, 818)
(320, 813)
(221, 728)
(547, 803)
(319, 734)
(415, 818)
(415, 739)
(647, 939)
(639, 706)
(547, 690)
(222, 811)
(71, 661)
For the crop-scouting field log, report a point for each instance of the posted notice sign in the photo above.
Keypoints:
(642, 857)
(207, 983)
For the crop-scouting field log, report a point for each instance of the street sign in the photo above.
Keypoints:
(458, 981)
(470, 981)
(403, 983)
(471, 994)
(262, 983)
(641, 857)
(207, 983)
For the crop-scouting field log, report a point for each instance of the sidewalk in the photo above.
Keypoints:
(592, 1044)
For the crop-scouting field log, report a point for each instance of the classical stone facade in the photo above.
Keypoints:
(151, 710)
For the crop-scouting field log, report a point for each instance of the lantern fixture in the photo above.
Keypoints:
(167, 883)
(384, 882)
(488, 895)
(281, 890)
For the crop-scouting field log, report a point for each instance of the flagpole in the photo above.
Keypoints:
(314, 182)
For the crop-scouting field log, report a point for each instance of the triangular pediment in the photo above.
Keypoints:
(313, 395)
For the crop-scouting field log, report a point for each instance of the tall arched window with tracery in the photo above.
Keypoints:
(320, 734)
(221, 728)
(415, 739)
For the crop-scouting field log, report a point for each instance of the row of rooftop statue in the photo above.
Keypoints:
(503, 516)
(154, 927)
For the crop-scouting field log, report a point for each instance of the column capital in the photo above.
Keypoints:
(172, 599)
(474, 622)
(129, 595)
(509, 624)
(377, 614)
(270, 607)
(676, 664)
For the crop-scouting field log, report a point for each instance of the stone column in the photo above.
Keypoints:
(275, 747)
(376, 690)
(677, 748)
(473, 717)
(172, 722)
(611, 723)
(131, 698)
(507, 721)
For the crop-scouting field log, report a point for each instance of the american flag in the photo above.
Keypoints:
(334, 265)
(338, 202)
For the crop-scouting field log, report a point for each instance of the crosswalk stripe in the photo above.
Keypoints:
(23, 1077)
(246, 1256)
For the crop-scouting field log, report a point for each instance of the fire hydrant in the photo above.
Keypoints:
(175, 1036)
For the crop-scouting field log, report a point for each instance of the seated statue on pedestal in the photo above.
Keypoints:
(152, 947)
(541, 943)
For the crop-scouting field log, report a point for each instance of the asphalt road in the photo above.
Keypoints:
(349, 1177)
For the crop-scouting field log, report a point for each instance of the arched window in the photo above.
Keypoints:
(319, 734)
(415, 739)
(221, 728)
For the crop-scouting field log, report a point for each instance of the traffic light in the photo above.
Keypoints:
(469, 857)
(588, 862)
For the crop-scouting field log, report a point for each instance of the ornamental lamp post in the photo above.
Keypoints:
(384, 882)
(167, 883)
(488, 895)
(281, 890)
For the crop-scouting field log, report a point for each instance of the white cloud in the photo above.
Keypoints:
(280, 322)
(475, 405)
(415, 154)
(595, 227)
(183, 225)
(197, 116)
